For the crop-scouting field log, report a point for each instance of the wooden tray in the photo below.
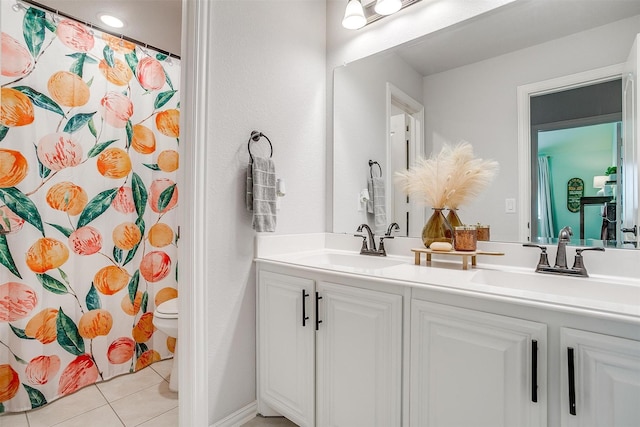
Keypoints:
(464, 254)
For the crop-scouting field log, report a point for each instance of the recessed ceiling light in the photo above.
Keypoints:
(111, 20)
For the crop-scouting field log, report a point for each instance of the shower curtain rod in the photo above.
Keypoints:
(89, 24)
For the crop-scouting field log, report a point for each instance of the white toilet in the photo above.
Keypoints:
(165, 318)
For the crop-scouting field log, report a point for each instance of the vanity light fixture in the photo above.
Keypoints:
(111, 20)
(363, 12)
(387, 7)
(354, 16)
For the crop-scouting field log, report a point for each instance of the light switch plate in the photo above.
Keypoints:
(510, 205)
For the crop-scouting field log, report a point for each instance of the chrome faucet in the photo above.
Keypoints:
(392, 227)
(560, 267)
(366, 249)
(564, 237)
(369, 247)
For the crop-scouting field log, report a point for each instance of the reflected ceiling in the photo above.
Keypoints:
(508, 29)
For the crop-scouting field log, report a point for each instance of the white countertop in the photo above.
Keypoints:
(614, 297)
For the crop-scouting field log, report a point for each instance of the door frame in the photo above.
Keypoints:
(193, 402)
(524, 93)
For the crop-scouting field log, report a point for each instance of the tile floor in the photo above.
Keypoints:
(270, 422)
(140, 399)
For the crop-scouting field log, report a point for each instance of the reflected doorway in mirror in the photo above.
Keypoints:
(405, 144)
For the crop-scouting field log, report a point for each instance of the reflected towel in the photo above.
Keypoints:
(264, 194)
(249, 192)
(370, 201)
(379, 208)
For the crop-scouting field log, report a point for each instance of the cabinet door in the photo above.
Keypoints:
(359, 357)
(286, 347)
(476, 369)
(600, 380)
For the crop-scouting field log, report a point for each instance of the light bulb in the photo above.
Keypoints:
(111, 21)
(387, 7)
(354, 16)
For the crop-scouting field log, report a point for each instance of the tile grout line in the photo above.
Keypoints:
(79, 415)
(111, 407)
(124, 397)
(148, 419)
(156, 363)
(151, 419)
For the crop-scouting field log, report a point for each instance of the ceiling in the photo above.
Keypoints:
(508, 28)
(512, 27)
(156, 23)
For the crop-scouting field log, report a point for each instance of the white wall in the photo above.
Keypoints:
(266, 72)
(478, 103)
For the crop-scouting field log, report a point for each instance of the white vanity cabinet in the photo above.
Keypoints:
(600, 380)
(344, 359)
(409, 349)
(470, 368)
(358, 357)
(286, 347)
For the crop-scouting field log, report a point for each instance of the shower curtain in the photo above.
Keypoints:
(545, 199)
(89, 137)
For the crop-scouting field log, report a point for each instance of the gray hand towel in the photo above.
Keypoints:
(264, 194)
(379, 206)
(249, 192)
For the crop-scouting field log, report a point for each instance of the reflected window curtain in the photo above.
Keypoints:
(545, 199)
(89, 140)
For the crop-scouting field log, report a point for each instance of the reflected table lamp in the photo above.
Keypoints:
(599, 182)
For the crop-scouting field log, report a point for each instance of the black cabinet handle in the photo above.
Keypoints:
(572, 381)
(534, 371)
(304, 308)
(318, 321)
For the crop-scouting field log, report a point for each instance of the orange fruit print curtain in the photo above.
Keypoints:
(89, 139)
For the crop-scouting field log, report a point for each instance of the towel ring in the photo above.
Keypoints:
(255, 137)
(371, 163)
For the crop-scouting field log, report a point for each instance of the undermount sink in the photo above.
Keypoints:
(349, 260)
(573, 287)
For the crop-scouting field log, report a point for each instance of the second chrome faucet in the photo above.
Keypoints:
(560, 266)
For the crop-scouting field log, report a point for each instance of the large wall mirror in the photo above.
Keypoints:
(482, 81)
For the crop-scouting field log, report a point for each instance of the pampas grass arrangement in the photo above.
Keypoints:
(450, 178)
(447, 179)
(469, 175)
(428, 180)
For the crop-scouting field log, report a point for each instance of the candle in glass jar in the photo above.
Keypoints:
(483, 232)
(465, 238)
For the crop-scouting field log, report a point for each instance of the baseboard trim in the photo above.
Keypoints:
(241, 416)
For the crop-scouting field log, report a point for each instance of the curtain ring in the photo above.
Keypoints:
(18, 6)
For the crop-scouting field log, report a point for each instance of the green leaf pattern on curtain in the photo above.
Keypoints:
(40, 100)
(89, 131)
